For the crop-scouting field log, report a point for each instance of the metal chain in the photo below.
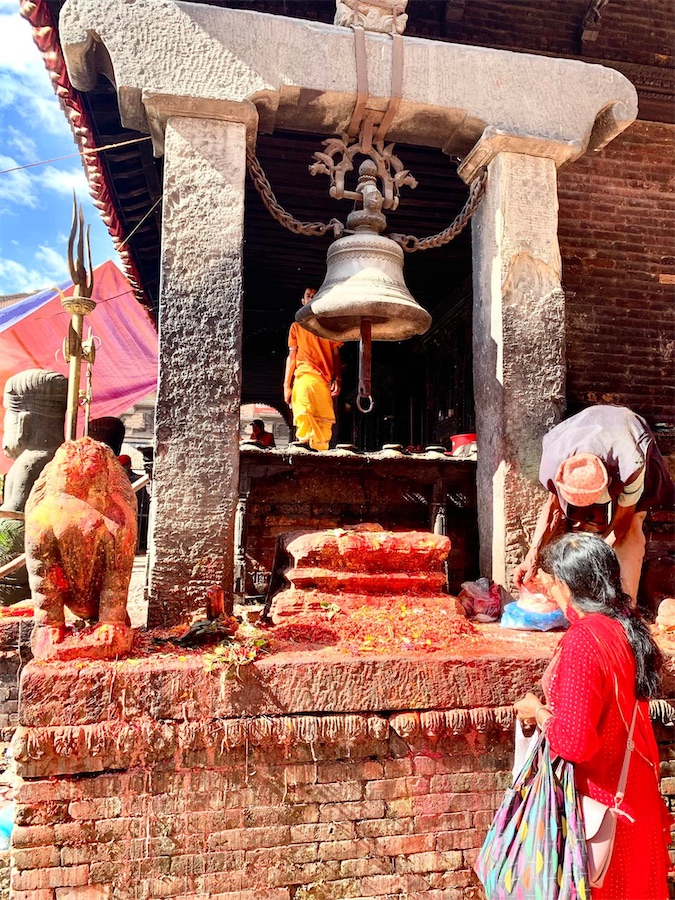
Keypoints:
(264, 188)
(410, 243)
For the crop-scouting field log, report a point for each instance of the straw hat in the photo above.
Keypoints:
(582, 479)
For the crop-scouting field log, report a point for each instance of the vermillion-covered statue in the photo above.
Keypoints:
(35, 410)
(80, 543)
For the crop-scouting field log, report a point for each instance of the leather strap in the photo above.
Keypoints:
(361, 80)
(630, 746)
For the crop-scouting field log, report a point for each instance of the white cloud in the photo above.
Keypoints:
(16, 187)
(16, 278)
(64, 181)
(53, 262)
(24, 82)
(22, 143)
(48, 266)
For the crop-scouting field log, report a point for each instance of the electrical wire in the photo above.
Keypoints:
(44, 162)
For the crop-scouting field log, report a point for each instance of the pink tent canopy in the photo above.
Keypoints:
(32, 332)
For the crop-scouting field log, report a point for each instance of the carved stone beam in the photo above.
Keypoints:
(302, 76)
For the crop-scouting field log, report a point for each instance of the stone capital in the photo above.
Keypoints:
(609, 122)
(302, 76)
(159, 108)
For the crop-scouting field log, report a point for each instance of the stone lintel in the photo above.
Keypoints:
(183, 687)
(302, 75)
(495, 140)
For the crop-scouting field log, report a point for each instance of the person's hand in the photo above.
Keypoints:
(335, 387)
(526, 708)
(525, 571)
(288, 393)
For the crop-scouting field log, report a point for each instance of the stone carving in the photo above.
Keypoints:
(360, 566)
(35, 403)
(80, 544)
(386, 16)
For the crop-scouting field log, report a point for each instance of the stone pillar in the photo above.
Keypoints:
(518, 350)
(196, 471)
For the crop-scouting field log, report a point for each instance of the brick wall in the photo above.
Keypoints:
(154, 778)
(321, 822)
(365, 818)
(617, 237)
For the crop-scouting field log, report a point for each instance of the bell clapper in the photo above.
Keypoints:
(364, 399)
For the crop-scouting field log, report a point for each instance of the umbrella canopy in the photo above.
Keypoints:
(32, 332)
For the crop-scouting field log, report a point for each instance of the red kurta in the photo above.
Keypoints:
(590, 729)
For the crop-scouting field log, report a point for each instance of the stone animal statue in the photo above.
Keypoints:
(80, 544)
(35, 409)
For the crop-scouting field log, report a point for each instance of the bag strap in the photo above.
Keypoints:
(630, 746)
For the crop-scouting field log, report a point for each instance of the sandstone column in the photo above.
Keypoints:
(200, 321)
(519, 350)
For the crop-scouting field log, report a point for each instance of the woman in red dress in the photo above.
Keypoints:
(605, 661)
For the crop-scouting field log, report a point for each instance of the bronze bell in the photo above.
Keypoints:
(364, 295)
(364, 280)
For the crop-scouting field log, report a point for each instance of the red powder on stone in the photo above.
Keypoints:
(404, 625)
(305, 633)
(418, 625)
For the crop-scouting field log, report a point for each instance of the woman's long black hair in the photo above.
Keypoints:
(590, 569)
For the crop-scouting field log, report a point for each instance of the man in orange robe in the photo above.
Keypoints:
(311, 380)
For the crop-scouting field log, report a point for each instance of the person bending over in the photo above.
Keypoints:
(603, 471)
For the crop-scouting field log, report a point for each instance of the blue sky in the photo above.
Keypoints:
(36, 203)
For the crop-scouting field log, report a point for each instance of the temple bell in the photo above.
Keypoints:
(364, 295)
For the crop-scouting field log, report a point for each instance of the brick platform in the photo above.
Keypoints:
(317, 775)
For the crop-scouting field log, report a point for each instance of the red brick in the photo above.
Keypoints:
(249, 838)
(398, 768)
(396, 788)
(340, 792)
(86, 892)
(95, 808)
(395, 845)
(32, 835)
(271, 894)
(41, 813)
(35, 858)
(54, 876)
(285, 814)
(429, 862)
(447, 821)
(384, 827)
(46, 894)
(459, 840)
(342, 812)
(356, 849)
(323, 831)
(362, 868)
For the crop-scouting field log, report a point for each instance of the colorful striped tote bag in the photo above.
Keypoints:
(535, 848)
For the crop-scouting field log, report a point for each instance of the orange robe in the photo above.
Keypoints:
(311, 401)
